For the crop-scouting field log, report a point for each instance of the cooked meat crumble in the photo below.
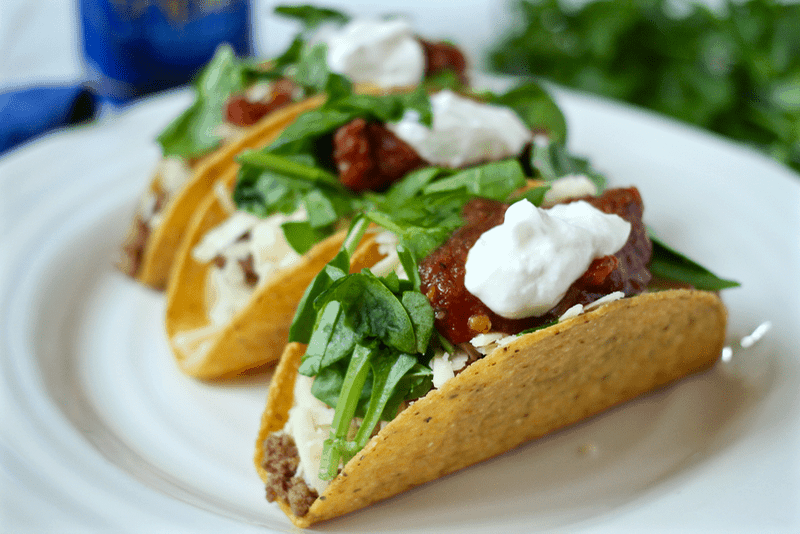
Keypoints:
(280, 462)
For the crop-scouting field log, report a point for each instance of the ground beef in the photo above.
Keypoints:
(248, 269)
(133, 247)
(250, 274)
(242, 112)
(460, 315)
(442, 56)
(280, 462)
(370, 157)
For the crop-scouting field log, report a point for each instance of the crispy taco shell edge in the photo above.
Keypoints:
(539, 383)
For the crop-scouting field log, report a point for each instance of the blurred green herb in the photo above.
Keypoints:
(192, 133)
(735, 71)
(195, 131)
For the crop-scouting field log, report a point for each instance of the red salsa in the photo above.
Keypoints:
(460, 315)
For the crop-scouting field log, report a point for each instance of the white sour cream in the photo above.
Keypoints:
(386, 53)
(523, 267)
(464, 132)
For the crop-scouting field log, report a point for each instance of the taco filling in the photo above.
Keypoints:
(592, 247)
(386, 337)
(232, 95)
(367, 155)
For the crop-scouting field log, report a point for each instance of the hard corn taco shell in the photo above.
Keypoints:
(539, 383)
(256, 334)
(163, 241)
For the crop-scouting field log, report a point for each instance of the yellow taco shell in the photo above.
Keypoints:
(257, 334)
(539, 383)
(163, 241)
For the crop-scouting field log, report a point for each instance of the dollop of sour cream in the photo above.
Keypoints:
(386, 53)
(523, 267)
(464, 132)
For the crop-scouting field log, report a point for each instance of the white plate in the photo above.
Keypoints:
(100, 432)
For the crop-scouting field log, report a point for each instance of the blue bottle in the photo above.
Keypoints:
(135, 47)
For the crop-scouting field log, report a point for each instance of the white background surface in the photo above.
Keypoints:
(100, 433)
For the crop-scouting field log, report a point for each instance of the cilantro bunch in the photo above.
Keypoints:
(734, 71)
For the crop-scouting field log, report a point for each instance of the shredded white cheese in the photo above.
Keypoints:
(309, 424)
(444, 365)
(570, 186)
(171, 174)
(578, 309)
(390, 261)
(241, 236)
(228, 131)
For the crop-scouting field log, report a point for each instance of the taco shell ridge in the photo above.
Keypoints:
(538, 383)
(162, 243)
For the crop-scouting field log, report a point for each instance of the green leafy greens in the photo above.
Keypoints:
(669, 264)
(373, 337)
(367, 348)
(734, 70)
(296, 169)
(194, 132)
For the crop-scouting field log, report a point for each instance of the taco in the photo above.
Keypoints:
(399, 375)
(235, 101)
(293, 200)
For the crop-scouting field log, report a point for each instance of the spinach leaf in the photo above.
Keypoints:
(270, 182)
(496, 180)
(415, 237)
(552, 161)
(312, 16)
(413, 183)
(304, 319)
(192, 132)
(387, 372)
(362, 322)
(671, 265)
(311, 72)
(298, 137)
(302, 235)
(421, 315)
(536, 108)
(373, 310)
(291, 167)
(534, 195)
(337, 444)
